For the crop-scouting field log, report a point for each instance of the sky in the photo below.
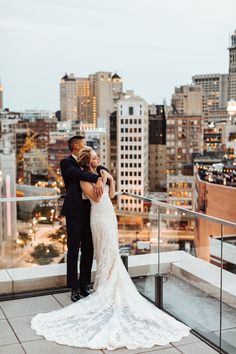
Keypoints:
(154, 45)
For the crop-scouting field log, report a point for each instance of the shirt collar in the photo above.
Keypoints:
(75, 157)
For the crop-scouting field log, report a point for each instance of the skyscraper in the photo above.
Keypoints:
(132, 150)
(91, 99)
(68, 98)
(232, 68)
(101, 98)
(157, 147)
(83, 100)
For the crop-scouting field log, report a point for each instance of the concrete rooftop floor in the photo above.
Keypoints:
(16, 336)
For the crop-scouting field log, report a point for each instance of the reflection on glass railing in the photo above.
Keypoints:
(34, 235)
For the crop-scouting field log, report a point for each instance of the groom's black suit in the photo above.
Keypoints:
(77, 213)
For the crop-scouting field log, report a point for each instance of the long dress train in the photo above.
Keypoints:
(115, 315)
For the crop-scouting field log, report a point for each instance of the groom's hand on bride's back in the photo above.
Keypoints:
(99, 168)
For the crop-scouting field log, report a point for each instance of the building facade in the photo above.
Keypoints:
(90, 100)
(218, 201)
(180, 191)
(68, 98)
(35, 166)
(132, 151)
(184, 137)
(83, 100)
(189, 100)
(215, 89)
(157, 148)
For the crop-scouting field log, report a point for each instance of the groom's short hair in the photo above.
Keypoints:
(72, 141)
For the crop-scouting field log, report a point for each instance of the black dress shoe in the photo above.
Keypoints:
(75, 295)
(86, 290)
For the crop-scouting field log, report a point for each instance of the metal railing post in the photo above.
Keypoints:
(158, 276)
(125, 260)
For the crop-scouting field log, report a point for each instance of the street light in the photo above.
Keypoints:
(148, 226)
(63, 236)
(52, 211)
(34, 222)
(52, 215)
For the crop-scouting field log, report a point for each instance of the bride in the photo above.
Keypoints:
(115, 315)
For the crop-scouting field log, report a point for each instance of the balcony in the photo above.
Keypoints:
(162, 240)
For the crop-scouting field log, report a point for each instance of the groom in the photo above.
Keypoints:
(77, 213)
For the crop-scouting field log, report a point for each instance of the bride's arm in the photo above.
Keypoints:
(112, 189)
(111, 184)
(89, 190)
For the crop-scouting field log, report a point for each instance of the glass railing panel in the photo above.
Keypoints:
(138, 232)
(228, 249)
(32, 234)
(192, 288)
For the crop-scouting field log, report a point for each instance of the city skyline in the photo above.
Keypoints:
(46, 39)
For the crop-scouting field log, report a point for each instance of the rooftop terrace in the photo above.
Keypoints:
(16, 336)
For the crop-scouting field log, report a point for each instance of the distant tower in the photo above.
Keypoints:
(1, 95)
(232, 68)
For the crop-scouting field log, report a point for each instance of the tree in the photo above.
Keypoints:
(43, 254)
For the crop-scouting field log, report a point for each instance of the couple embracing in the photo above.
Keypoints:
(115, 315)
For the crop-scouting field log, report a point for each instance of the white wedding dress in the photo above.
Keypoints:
(115, 315)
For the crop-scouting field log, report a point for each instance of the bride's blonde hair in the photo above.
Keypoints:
(84, 157)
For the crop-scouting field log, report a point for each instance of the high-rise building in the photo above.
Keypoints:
(113, 144)
(1, 96)
(232, 68)
(90, 100)
(215, 89)
(184, 136)
(189, 100)
(68, 98)
(132, 150)
(83, 100)
(157, 148)
(101, 97)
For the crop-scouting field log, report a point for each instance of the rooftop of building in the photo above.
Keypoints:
(225, 177)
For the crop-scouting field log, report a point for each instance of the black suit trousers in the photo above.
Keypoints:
(79, 236)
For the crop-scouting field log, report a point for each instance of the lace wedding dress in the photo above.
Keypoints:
(115, 315)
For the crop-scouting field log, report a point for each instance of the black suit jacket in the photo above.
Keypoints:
(72, 174)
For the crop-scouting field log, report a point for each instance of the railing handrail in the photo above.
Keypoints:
(154, 201)
(184, 210)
